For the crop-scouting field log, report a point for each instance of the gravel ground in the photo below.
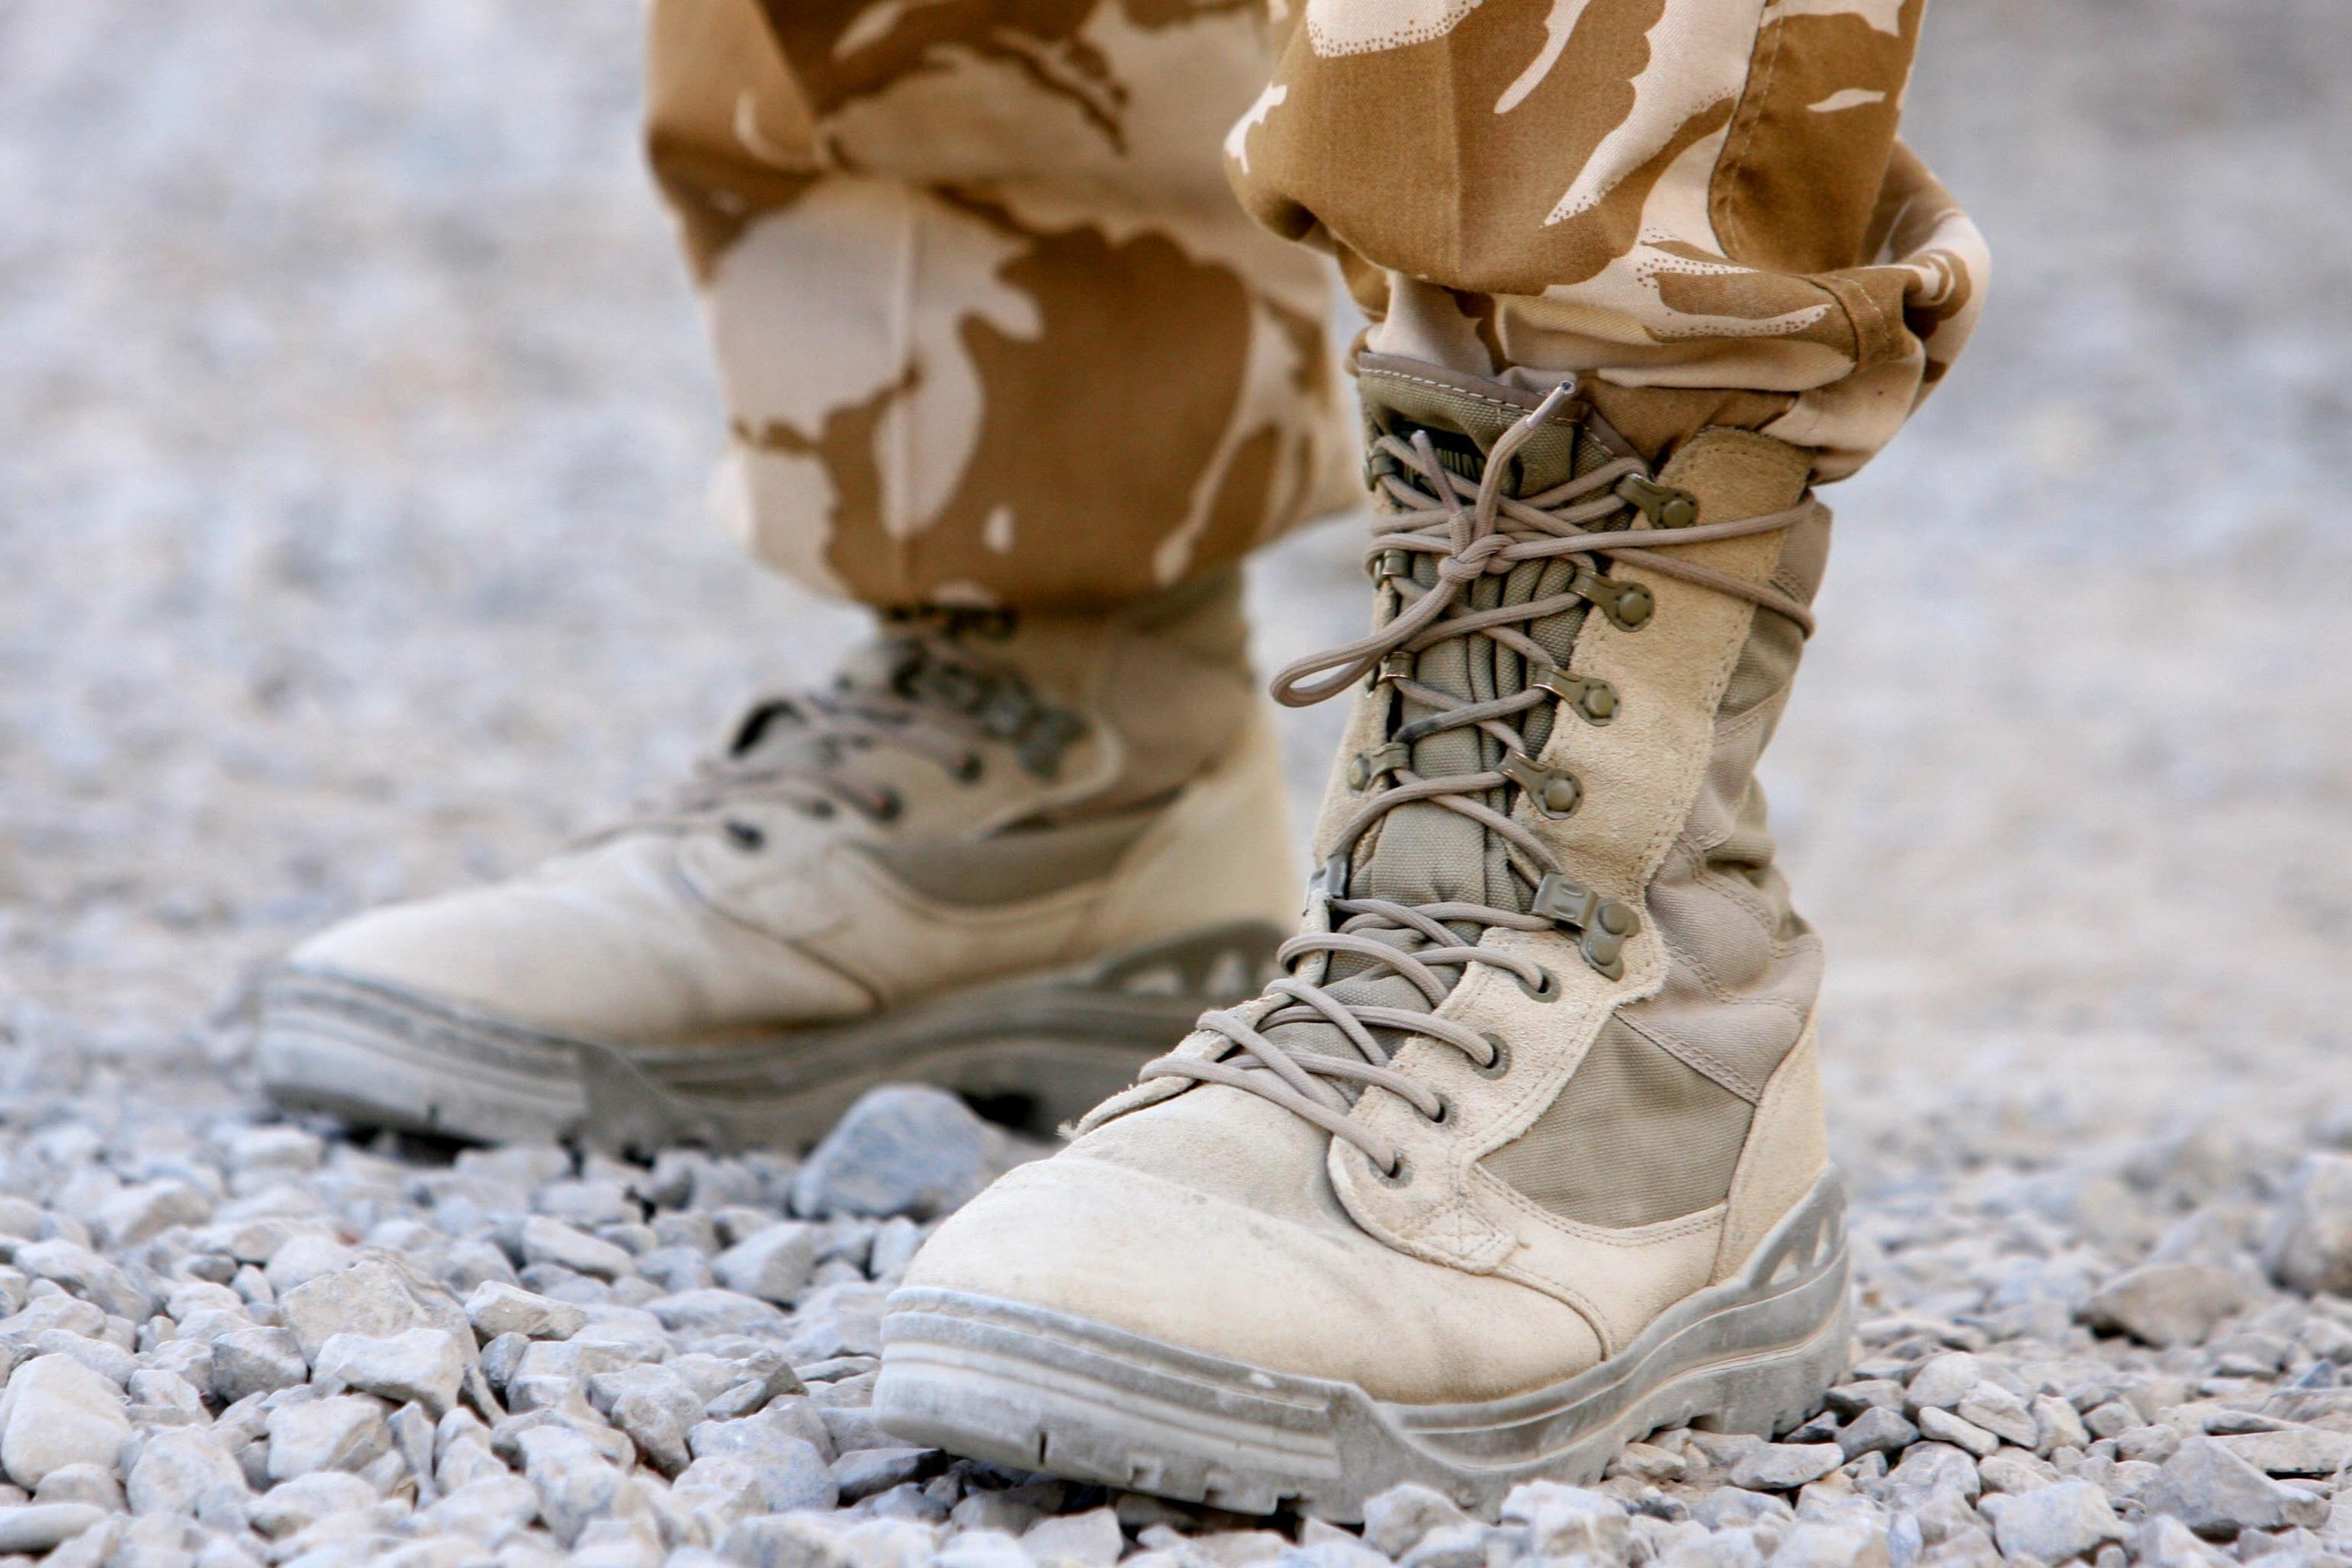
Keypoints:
(352, 545)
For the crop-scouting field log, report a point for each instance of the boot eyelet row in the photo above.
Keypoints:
(1545, 989)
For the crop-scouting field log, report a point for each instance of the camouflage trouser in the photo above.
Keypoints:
(993, 330)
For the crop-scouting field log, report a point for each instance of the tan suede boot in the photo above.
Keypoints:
(1524, 1158)
(1011, 856)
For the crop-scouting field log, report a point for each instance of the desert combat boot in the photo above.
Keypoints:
(1523, 1157)
(1015, 855)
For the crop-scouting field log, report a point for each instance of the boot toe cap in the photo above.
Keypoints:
(1313, 1297)
(593, 959)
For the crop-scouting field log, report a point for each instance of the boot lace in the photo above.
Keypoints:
(1470, 529)
(917, 690)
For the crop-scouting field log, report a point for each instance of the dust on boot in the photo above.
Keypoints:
(1523, 1157)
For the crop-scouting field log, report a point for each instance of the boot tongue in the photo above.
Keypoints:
(1423, 852)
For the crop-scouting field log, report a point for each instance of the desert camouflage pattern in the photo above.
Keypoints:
(990, 325)
(993, 331)
(1700, 204)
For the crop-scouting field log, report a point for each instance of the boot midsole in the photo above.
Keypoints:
(1114, 1011)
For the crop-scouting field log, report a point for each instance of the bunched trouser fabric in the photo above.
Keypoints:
(993, 330)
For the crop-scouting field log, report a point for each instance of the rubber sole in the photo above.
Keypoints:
(1041, 1389)
(1036, 1049)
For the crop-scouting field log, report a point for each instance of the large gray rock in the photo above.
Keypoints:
(138, 1213)
(161, 1397)
(293, 1506)
(1992, 1408)
(547, 1371)
(189, 1472)
(1090, 1540)
(2015, 1470)
(305, 1257)
(2217, 1495)
(94, 1484)
(1942, 1382)
(2299, 1451)
(792, 1466)
(347, 1433)
(2162, 1542)
(490, 1511)
(1785, 1466)
(902, 1148)
(88, 1276)
(2056, 1424)
(699, 1313)
(256, 1361)
(577, 1486)
(58, 1411)
(2054, 1524)
(718, 1491)
(2165, 1304)
(496, 1308)
(1395, 1520)
(1563, 1521)
(1876, 1430)
(2310, 1245)
(773, 1264)
(656, 1406)
(37, 1526)
(545, 1240)
(1929, 1470)
(1942, 1426)
(373, 1297)
(424, 1364)
(863, 1472)
(1833, 1543)
(104, 1357)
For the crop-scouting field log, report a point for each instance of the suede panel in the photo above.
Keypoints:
(1787, 1152)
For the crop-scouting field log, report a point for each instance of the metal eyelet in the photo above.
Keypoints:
(1663, 505)
(1603, 926)
(1397, 1175)
(820, 809)
(1547, 989)
(1550, 791)
(1497, 1064)
(745, 836)
(888, 805)
(1589, 699)
(1365, 767)
(969, 768)
(1628, 605)
(1444, 1112)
